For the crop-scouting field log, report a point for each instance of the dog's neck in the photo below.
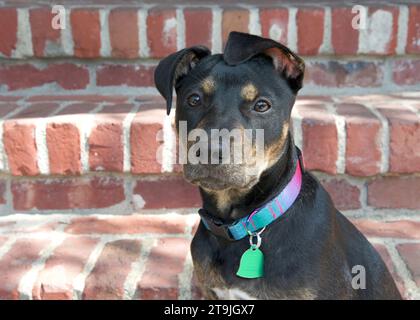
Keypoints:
(233, 204)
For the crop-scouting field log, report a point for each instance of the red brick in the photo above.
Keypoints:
(131, 224)
(344, 74)
(395, 192)
(310, 30)
(55, 281)
(344, 38)
(161, 277)
(198, 27)
(406, 229)
(9, 98)
(70, 193)
(8, 31)
(6, 108)
(274, 22)
(381, 40)
(382, 250)
(2, 239)
(234, 20)
(132, 76)
(106, 281)
(143, 139)
(2, 192)
(406, 72)
(63, 143)
(410, 252)
(413, 34)
(22, 76)
(71, 113)
(106, 139)
(83, 98)
(86, 30)
(178, 193)
(16, 263)
(404, 144)
(161, 32)
(363, 155)
(20, 147)
(123, 32)
(344, 195)
(43, 35)
(319, 134)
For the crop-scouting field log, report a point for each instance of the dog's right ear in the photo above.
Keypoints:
(173, 67)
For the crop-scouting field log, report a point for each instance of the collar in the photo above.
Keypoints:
(262, 216)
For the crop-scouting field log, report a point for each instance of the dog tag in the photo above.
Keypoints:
(252, 264)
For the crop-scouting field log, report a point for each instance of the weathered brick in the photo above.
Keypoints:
(274, 23)
(363, 156)
(70, 193)
(145, 145)
(16, 262)
(382, 250)
(118, 75)
(380, 35)
(410, 252)
(405, 229)
(234, 20)
(161, 276)
(345, 74)
(106, 139)
(404, 144)
(406, 72)
(86, 30)
(344, 195)
(20, 147)
(23, 76)
(123, 32)
(55, 281)
(131, 224)
(198, 27)
(63, 143)
(344, 38)
(413, 32)
(161, 32)
(394, 192)
(319, 134)
(43, 35)
(106, 281)
(310, 30)
(8, 31)
(178, 193)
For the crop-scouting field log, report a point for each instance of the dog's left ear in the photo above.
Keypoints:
(241, 47)
(173, 67)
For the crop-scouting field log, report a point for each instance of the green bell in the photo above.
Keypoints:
(252, 264)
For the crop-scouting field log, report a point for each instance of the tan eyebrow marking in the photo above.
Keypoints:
(249, 92)
(208, 85)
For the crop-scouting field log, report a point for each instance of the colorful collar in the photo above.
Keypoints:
(260, 217)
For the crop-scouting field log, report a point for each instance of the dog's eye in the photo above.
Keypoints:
(194, 100)
(262, 106)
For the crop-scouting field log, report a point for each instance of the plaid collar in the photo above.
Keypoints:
(260, 217)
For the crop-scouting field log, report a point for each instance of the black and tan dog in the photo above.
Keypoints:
(311, 249)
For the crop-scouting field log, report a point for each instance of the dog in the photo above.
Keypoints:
(297, 244)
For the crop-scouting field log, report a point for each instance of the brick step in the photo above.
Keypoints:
(144, 256)
(66, 153)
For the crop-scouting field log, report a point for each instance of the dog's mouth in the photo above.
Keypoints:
(219, 177)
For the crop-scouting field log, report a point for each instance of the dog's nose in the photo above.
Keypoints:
(218, 153)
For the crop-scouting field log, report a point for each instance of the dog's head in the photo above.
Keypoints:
(252, 85)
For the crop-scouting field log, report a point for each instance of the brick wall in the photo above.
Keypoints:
(384, 56)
